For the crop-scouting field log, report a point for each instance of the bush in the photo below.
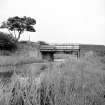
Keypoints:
(7, 42)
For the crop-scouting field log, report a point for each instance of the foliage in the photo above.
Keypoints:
(19, 25)
(7, 42)
(74, 83)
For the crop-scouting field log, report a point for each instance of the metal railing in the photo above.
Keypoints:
(57, 47)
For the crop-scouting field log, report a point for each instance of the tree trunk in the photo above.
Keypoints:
(18, 37)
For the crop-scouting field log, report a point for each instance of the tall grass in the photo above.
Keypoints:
(74, 82)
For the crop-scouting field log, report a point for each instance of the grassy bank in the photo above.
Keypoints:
(73, 82)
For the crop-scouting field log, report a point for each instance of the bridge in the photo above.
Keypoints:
(48, 51)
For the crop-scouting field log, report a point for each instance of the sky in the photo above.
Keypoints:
(60, 21)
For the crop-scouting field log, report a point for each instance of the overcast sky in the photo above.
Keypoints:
(60, 21)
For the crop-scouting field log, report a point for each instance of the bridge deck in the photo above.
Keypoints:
(58, 48)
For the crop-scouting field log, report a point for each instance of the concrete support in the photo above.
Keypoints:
(78, 55)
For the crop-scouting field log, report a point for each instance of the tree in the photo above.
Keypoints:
(17, 25)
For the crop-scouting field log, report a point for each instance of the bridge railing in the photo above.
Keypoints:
(59, 47)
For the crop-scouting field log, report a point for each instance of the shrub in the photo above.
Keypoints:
(7, 43)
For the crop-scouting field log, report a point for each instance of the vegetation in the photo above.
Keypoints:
(73, 82)
(17, 25)
(6, 43)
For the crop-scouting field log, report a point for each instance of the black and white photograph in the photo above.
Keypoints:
(52, 52)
